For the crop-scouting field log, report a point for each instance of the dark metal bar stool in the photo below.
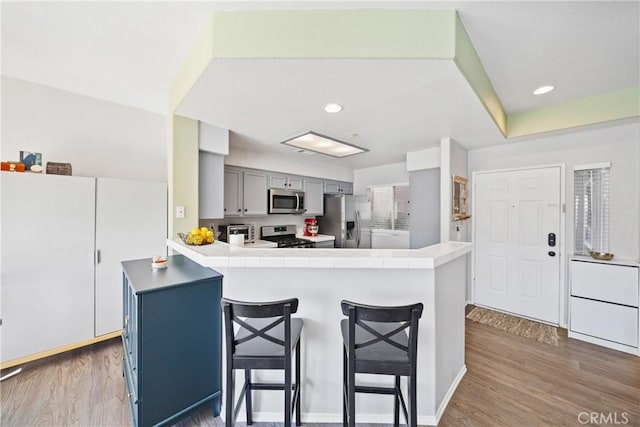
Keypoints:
(265, 339)
(376, 341)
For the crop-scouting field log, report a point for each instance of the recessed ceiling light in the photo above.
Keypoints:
(333, 108)
(543, 89)
(312, 141)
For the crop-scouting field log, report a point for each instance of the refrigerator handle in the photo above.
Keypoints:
(357, 229)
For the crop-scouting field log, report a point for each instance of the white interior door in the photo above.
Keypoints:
(131, 223)
(517, 266)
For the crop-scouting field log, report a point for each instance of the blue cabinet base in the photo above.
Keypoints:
(172, 340)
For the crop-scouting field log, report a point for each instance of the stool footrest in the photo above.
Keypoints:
(375, 390)
(270, 386)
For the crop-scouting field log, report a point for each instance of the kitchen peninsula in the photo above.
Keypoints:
(321, 278)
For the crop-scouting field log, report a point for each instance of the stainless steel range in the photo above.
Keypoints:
(285, 236)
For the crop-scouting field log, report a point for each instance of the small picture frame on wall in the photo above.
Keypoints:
(459, 198)
(32, 161)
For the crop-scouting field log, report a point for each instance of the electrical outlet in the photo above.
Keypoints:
(179, 211)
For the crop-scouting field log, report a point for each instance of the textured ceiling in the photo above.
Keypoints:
(129, 53)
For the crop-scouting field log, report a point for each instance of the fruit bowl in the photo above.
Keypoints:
(197, 237)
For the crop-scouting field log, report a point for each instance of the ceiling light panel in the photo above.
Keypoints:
(324, 145)
(333, 108)
(543, 89)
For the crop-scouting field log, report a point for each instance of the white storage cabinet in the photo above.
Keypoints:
(63, 239)
(604, 303)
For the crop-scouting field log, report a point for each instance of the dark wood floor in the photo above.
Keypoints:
(511, 381)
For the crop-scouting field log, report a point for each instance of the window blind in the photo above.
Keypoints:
(591, 210)
(390, 207)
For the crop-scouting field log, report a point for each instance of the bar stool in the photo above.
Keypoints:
(376, 342)
(266, 337)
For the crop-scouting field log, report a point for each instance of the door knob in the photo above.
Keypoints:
(552, 253)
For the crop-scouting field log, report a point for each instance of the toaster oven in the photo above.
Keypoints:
(247, 230)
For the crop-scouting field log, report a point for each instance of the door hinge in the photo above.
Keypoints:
(96, 257)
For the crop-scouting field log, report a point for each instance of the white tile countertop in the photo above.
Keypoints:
(220, 254)
(317, 238)
(261, 244)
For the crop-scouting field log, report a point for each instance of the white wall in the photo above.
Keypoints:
(425, 207)
(423, 159)
(213, 139)
(272, 219)
(619, 145)
(98, 138)
(394, 173)
(278, 162)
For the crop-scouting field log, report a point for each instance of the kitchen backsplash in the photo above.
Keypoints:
(297, 220)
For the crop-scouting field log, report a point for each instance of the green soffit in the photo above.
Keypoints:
(606, 107)
(382, 34)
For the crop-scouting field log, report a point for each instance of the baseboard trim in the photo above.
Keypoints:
(449, 395)
(604, 343)
(58, 350)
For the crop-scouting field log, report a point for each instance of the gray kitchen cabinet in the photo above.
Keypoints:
(346, 188)
(254, 194)
(210, 185)
(337, 187)
(232, 192)
(326, 244)
(286, 182)
(331, 187)
(313, 197)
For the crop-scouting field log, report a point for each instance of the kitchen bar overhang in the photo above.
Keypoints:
(320, 279)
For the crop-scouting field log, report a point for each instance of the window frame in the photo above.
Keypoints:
(592, 208)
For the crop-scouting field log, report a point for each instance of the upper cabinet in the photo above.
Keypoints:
(245, 193)
(313, 196)
(211, 185)
(232, 192)
(336, 187)
(286, 182)
(255, 194)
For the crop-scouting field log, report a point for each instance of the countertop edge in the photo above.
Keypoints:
(425, 258)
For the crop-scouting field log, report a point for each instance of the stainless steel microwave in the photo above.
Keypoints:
(286, 201)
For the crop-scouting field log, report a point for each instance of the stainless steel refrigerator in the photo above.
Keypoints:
(347, 218)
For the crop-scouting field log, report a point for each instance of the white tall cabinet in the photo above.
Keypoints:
(63, 238)
(131, 223)
(47, 262)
